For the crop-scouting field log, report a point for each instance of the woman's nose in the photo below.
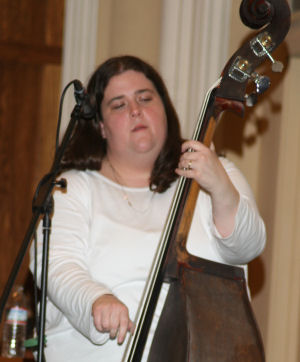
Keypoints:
(135, 109)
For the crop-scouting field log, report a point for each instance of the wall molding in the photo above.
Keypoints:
(284, 306)
(293, 36)
(193, 52)
(79, 47)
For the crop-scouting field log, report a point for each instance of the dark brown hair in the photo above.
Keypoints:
(87, 147)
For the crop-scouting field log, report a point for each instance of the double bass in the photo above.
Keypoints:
(207, 316)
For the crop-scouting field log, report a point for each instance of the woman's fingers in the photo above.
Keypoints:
(111, 316)
(124, 327)
(202, 164)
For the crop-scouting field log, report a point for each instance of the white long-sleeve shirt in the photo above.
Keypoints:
(99, 244)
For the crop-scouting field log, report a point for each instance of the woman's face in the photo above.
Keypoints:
(134, 119)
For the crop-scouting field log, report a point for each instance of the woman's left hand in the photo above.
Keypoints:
(203, 165)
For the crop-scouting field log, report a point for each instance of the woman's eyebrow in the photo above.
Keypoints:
(115, 99)
(121, 96)
(144, 90)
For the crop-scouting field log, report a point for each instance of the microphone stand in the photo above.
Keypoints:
(43, 204)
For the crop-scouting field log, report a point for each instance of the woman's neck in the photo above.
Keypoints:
(130, 174)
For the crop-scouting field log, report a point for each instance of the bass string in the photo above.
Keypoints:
(158, 260)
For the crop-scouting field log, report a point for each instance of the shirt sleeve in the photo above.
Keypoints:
(70, 287)
(248, 238)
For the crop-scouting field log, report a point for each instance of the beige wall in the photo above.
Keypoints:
(129, 27)
(284, 302)
(266, 151)
(271, 164)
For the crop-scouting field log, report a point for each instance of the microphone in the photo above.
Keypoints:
(83, 100)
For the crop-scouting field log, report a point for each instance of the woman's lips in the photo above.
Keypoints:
(139, 127)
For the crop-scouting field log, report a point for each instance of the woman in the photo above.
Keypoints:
(122, 170)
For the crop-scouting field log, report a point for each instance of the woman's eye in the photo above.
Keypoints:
(118, 105)
(145, 99)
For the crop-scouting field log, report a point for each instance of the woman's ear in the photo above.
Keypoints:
(102, 130)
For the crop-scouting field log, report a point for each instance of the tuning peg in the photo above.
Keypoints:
(262, 45)
(277, 66)
(251, 99)
(262, 82)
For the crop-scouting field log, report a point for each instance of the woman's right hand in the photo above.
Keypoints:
(111, 316)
